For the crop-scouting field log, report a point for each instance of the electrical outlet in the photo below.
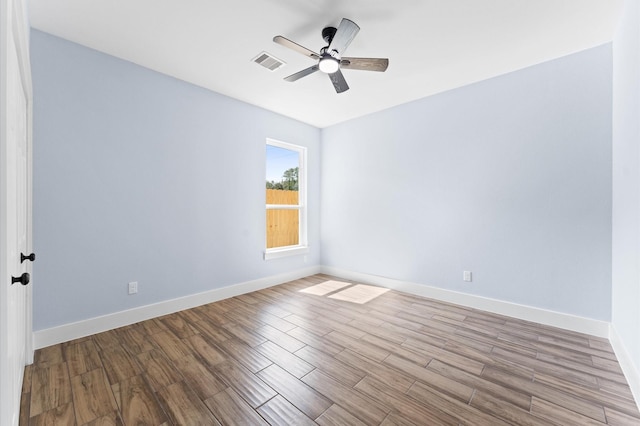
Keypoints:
(466, 276)
(133, 287)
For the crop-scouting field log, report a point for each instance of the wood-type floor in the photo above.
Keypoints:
(280, 356)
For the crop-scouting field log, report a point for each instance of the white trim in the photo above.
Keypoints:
(28, 87)
(14, 29)
(626, 363)
(67, 332)
(514, 310)
(283, 207)
(274, 253)
(281, 252)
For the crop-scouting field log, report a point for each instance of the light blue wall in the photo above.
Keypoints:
(509, 178)
(138, 176)
(142, 177)
(626, 180)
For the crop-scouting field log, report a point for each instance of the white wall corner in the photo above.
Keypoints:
(71, 331)
(528, 313)
(626, 362)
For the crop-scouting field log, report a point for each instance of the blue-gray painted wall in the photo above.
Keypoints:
(509, 178)
(142, 177)
(626, 181)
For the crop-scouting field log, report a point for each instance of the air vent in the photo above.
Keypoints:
(268, 61)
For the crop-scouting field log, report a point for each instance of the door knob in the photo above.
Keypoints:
(31, 257)
(22, 279)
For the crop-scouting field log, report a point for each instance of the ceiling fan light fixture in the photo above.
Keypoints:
(329, 64)
(330, 60)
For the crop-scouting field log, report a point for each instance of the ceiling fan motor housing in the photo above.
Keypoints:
(328, 33)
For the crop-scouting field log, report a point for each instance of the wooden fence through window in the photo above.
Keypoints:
(282, 225)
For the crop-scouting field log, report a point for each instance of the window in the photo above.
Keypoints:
(286, 224)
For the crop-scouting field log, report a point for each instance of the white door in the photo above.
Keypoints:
(15, 215)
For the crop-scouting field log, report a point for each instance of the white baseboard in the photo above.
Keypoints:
(627, 364)
(523, 312)
(66, 332)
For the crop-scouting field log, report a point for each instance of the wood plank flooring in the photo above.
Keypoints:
(281, 356)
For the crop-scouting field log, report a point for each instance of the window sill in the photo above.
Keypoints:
(285, 252)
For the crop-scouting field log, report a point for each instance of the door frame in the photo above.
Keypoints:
(14, 29)
(21, 30)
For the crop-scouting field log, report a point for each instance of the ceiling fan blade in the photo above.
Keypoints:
(305, 72)
(365, 64)
(295, 46)
(345, 34)
(339, 83)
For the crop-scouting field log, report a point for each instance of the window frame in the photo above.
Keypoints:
(302, 247)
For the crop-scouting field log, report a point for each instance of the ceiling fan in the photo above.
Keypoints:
(330, 59)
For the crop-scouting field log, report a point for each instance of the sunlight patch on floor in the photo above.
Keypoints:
(359, 293)
(325, 287)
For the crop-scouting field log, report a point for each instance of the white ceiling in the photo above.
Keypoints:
(432, 45)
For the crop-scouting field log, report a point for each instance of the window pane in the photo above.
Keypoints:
(282, 228)
(282, 175)
(285, 198)
(277, 196)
